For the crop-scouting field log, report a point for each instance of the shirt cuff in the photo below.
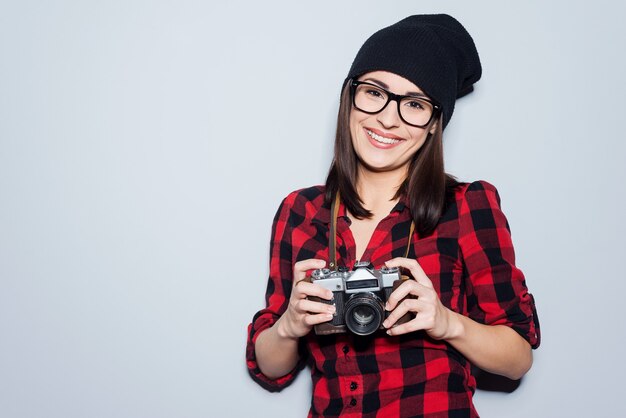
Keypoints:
(260, 324)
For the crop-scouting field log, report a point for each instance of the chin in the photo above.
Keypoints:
(381, 167)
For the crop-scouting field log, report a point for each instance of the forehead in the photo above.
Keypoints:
(392, 82)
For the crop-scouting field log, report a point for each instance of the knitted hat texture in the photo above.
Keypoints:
(435, 52)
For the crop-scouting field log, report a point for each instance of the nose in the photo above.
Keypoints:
(389, 117)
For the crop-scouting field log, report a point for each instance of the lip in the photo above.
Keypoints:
(384, 134)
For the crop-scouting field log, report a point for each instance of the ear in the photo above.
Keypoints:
(433, 128)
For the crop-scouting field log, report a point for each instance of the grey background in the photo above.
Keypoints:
(145, 146)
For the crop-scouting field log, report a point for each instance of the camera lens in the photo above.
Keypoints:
(364, 313)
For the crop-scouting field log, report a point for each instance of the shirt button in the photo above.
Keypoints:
(353, 402)
(353, 386)
(346, 349)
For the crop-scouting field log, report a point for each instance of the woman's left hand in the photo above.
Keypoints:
(430, 314)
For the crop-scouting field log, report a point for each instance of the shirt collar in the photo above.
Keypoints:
(323, 214)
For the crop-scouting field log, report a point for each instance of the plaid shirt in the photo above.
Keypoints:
(470, 260)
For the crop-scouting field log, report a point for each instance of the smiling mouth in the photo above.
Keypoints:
(382, 139)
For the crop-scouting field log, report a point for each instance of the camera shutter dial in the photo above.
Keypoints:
(320, 274)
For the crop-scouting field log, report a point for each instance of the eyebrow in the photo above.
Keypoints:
(385, 86)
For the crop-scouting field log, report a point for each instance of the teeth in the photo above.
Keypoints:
(382, 138)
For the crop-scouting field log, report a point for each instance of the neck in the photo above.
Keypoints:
(378, 189)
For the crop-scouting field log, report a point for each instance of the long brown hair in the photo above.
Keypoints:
(427, 186)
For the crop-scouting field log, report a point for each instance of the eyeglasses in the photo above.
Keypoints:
(413, 110)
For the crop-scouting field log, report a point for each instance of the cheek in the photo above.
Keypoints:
(356, 118)
(356, 125)
(352, 123)
(418, 137)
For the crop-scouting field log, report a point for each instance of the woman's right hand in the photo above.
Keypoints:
(302, 314)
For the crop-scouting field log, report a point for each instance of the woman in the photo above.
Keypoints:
(396, 207)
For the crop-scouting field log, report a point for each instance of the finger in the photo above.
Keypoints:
(400, 293)
(408, 288)
(413, 266)
(310, 306)
(301, 267)
(415, 324)
(407, 305)
(304, 289)
(311, 320)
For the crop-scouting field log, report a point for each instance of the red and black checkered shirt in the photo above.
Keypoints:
(470, 260)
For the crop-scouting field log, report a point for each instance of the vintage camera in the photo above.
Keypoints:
(359, 297)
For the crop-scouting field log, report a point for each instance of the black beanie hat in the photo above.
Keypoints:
(434, 52)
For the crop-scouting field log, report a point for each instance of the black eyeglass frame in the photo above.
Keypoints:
(392, 96)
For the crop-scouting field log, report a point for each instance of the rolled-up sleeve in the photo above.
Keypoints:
(276, 297)
(496, 288)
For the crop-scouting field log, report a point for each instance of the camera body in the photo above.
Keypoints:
(359, 297)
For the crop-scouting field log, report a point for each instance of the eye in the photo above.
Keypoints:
(374, 93)
(415, 104)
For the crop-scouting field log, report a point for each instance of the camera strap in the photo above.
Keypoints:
(332, 234)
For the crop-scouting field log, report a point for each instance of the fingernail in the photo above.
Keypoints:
(386, 324)
(332, 309)
(388, 332)
(387, 306)
(328, 317)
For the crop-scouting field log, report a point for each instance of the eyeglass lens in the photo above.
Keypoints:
(372, 99)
